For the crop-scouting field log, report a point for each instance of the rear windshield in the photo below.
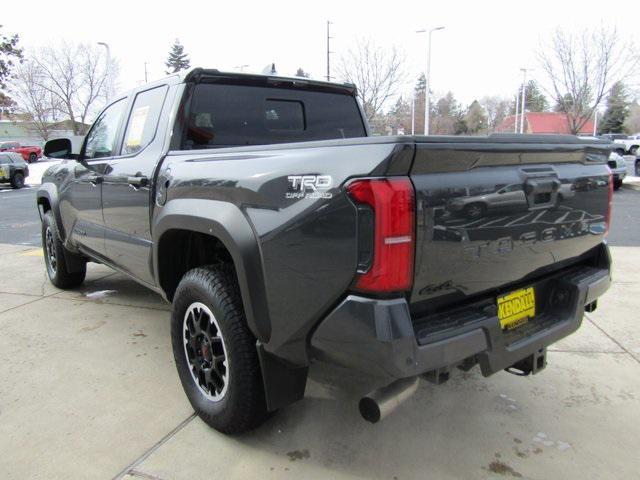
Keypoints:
(237, 115)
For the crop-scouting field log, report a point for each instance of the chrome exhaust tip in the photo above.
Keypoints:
(381, 402)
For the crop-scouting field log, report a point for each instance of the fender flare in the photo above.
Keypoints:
(226, 222)
(49, 192)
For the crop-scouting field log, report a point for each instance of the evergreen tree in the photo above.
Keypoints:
(421, 85)
(617, 111)
(301, 73)
(177, 60)
(475, 118)
(10, 54)
(535, 100)
(448, 118)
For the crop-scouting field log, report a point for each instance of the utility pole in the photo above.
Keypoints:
(523, 102)
(146, 77)
(328, 51)
(427, 96)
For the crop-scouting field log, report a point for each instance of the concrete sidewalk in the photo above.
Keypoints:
(88, 389)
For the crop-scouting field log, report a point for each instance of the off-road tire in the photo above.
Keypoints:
(242, 407)
(17, 181)
(33, 158)
(633, 150)
(55, 257)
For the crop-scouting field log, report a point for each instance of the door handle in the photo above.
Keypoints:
(138, 182)
(95, 179)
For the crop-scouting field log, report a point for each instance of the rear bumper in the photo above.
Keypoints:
(379, 338)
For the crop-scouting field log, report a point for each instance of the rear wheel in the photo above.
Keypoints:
(474, 210)
(17, 181)
(633, 150)
(620, 151)
(33, 157)
(637, 168)
(55, 257)
(617, 184)
(215, 352)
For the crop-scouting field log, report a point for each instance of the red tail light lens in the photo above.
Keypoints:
(607, 218)
(393, 204)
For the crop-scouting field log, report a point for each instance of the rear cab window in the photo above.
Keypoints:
(221, 115)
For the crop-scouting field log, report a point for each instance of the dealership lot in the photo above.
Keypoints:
(88, 389)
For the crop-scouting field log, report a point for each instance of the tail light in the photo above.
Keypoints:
(391, 205)
(607, 217)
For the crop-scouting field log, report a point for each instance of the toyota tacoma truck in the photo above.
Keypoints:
(283, 234)
(30, 154)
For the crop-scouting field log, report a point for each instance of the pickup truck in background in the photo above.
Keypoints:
(30, 154)
(623, 144)
(283, 234)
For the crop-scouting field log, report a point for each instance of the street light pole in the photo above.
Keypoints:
(427, 99)
(108, 70)
(413, 114)
(515, 121)
(523, 102)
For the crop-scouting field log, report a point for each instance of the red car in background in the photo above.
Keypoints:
(29, 153)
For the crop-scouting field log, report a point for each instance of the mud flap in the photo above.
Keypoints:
(284, 383)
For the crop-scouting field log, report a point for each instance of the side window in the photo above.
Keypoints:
(101, 138)
(143, 120)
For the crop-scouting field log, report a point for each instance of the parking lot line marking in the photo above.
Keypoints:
(611, 338)
(155, 447)
(36, 252)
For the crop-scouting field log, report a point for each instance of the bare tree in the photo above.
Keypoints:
(33, 99)
(581, 68)
(496, 109)
(376, 72)
(76, 76)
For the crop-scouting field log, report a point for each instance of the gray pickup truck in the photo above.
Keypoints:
(283, 234)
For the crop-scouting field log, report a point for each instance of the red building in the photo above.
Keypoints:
(542, 122)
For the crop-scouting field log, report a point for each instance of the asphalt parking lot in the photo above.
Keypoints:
(88, 389)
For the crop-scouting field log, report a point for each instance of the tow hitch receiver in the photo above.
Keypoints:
(530, 365)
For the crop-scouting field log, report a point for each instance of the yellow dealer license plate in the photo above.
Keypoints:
(516, 308)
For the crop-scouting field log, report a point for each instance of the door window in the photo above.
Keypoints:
(143, 120)
(101, 138)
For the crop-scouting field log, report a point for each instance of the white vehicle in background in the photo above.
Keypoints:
(618, 167)
(617, 163)
(628, 145)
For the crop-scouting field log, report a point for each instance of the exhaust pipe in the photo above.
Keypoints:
(380, 403)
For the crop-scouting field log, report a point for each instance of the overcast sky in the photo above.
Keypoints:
(479, 53)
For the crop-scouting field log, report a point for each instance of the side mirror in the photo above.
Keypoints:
(60, 148)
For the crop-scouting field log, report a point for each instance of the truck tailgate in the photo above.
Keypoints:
(493, 214)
